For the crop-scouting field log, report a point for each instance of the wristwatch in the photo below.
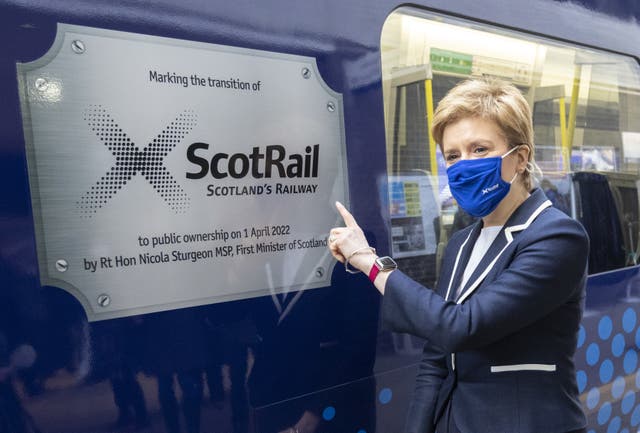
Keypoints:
(382, 264)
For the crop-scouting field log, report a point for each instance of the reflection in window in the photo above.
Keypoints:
(586, 111)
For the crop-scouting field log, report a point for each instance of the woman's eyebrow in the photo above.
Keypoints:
(481, 142)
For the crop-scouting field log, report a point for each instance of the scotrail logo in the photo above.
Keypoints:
(491, 188)
(130, 161)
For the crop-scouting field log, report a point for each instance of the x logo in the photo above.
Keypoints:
(131, 161)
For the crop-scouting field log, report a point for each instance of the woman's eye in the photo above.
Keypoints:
(451, 157)
(480, 150)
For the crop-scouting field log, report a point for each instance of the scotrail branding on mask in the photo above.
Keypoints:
(492, 188)
(477, 184)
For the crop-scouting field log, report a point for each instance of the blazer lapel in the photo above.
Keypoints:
(519, 221)
(486, 264)
(464, 251)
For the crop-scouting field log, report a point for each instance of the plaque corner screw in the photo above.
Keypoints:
(331, 106)
(306, 73)
(104, 300)
(78, 46)
(320, 272)
(41, 84)
(62, 265)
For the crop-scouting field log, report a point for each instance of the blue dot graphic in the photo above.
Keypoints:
(629, 320)
(606, 371)
(593, 354)
(605, 327)
(627, 402)
(593, 398)
(624, 430)
(581, 378)
(385, 396)
(604, 413)
(635, 416)
(582, 336)
(614, 425)
(630, 361)
(617, 345)
(618, 387)
(329, 413)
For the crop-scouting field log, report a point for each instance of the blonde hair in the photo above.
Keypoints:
(494, 100)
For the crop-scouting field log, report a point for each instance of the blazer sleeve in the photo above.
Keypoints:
(546, 269)
(431, 374)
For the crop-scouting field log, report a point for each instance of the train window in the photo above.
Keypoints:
(586, 114)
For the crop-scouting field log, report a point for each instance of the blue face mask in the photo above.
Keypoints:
(477, 184)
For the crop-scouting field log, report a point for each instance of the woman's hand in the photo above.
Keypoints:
(344, 241)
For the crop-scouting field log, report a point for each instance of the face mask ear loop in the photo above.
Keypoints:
(506, 154)
(512, 149)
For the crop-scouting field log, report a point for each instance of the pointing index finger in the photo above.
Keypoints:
(349, 220)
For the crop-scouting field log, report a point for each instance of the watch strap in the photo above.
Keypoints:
(373, 273)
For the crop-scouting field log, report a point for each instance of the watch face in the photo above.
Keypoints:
(386, 263)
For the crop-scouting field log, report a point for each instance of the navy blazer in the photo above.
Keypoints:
(502, 353)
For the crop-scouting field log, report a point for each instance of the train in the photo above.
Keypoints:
(170, 171)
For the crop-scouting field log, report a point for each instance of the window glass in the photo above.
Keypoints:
(586, 113)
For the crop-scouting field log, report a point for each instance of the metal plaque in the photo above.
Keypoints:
(168, 173)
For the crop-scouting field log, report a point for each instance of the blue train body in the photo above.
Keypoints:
(311, 355)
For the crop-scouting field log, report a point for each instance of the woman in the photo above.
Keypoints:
(501, 326)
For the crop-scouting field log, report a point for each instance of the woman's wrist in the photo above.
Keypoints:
(363, 261)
